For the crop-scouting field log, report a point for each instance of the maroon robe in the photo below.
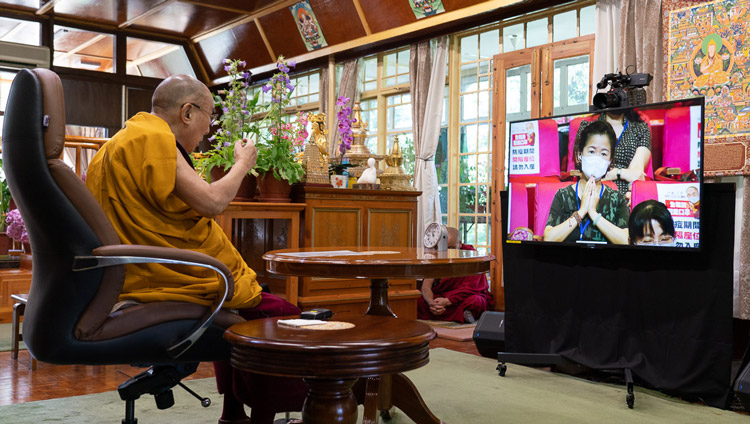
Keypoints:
(465, 293)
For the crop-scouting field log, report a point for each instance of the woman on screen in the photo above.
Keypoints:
(651, 224)
(589, 210)
(632, 147)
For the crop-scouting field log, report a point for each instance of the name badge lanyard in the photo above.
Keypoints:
(624, 127)
(582, 227)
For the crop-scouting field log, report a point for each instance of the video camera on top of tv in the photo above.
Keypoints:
(625, 90)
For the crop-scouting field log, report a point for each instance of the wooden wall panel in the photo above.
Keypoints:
(336, 226)
(138, 100)
(338, 19)
(282, 33)
(93, 103)
(386, 14)
(12, 281)
(242, 42)
(389, 227)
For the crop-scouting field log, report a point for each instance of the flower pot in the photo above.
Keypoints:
(339, 181)
(273, 190)
(246, 191)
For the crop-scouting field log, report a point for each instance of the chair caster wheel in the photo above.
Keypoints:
(386, 415)
(501, 369)
(630, 399)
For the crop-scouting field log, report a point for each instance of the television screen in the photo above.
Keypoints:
(623, 176)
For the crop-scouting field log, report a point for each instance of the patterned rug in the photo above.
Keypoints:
(447, 324)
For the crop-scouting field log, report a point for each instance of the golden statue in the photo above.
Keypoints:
(395, 158)
(320, 134)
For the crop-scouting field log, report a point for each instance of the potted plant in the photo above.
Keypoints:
(237, 109)
(16, 229)
(277, 167)
(337, 168)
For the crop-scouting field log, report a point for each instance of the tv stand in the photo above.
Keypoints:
(551, 359)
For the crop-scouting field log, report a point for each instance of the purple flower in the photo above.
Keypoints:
(227, 61)
(245, 74)
(290, 86)
(212, 138)
(227, 144)
(341, 101)
(292, 64)
(241, 63)
(266, 88)
(226, 109)
(228, 68)
(280, 66)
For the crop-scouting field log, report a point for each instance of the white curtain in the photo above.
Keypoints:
(607, 42)
(425, 174)
(641, 40)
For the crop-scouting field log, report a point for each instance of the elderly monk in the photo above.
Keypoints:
(144, 179)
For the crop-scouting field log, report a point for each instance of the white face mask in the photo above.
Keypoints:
(594, 166)
(693, 199)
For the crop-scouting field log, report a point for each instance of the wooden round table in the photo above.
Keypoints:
(379, 264)
(330, 361)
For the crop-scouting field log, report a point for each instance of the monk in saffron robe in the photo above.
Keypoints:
(145, 181)
(460, 299)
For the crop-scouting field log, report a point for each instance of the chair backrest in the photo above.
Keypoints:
(67, 310)
(547, 144)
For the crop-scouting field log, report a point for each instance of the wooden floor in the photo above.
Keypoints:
(18, 384)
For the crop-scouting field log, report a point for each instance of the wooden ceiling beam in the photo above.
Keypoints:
(362, 17)
(78, 48)
(243, 20)
(46, 7)
(420, 25)
(271, 54)
(147, 13)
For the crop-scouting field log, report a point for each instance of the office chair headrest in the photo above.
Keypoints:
(54, 112)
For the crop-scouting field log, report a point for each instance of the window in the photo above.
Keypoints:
(156, 59)
(21, 32)
(386, 103)
(6, 79)
(77, 48)
(471, 207)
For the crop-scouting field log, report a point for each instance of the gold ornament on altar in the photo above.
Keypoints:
(358, 154)
(394, 177)
(315, 157)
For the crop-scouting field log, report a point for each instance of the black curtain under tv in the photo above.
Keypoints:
(666, 315)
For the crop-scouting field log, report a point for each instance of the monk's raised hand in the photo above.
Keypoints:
(245, 153)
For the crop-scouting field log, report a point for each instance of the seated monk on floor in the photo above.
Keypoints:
(145, 181)
(461, 299)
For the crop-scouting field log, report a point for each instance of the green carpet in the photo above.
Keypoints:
(6, 332)
(460, 388)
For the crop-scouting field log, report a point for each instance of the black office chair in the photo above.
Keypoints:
(78, 264)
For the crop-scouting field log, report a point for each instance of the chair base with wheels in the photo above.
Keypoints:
(18, 309)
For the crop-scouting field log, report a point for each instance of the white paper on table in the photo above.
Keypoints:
(298, 322)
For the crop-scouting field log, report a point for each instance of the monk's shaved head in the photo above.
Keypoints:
(176, 91)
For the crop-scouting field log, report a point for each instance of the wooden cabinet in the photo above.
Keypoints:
(361, 218)
(12, 281)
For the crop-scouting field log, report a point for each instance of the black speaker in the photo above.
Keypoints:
(489, 334)
(742, 387)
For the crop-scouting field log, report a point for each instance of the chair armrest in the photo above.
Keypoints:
(122, 254)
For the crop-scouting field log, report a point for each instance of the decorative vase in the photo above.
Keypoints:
(339, 181)
(272, 190)
(246, 191)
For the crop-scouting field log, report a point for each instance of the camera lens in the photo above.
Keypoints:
(606, 100)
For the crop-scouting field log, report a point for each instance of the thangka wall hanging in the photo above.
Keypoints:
(424, 8)
(709, 49)
(308, 25)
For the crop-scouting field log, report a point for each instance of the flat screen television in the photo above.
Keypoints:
(549, 174)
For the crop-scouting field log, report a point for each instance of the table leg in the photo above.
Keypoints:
(379, 298)
(372, 386)
(395, 390)
(329, 401)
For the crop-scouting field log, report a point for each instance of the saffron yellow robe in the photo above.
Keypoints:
(133, 178)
